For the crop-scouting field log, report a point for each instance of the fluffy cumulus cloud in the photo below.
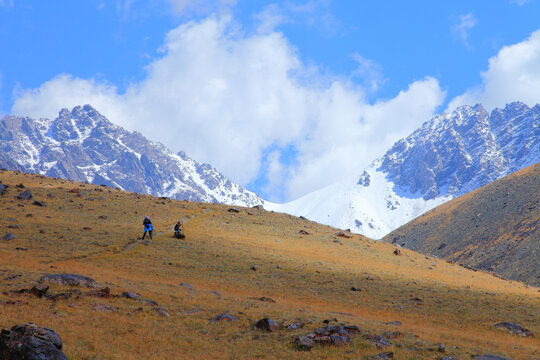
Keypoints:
(513, 74)
(247, 105)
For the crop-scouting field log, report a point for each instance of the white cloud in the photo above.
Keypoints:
(369, 72)
(200, 6)
(462, 29)
(227, 98)
(513, 74)
(270, 18)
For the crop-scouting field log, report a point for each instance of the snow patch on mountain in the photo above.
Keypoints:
(83, 145)
(450, 155)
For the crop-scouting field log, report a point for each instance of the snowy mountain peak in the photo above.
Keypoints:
(84, 145)
(449, 155)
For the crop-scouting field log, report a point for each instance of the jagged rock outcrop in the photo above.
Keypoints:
(83, 145)
(448, 156)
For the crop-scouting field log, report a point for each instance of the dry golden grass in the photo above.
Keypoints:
(312, 282)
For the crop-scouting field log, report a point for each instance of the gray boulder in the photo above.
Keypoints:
(30, 342)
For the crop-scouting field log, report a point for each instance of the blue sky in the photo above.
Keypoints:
(283, 97)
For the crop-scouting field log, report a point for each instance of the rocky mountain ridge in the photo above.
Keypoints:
(448, 156)
(493, 228)
(83, 145)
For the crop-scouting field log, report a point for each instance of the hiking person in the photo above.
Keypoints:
(178, 230)
(147, 227)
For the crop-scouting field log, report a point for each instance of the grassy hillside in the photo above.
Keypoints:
(495, 228)
(93, 231)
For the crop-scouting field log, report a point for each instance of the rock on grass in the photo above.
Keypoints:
(69, 280)
(30, 342)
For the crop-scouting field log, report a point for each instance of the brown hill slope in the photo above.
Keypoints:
(93, 231)
(494, 228)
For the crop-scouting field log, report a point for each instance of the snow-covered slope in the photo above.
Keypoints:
(83, 145)
(448, 156)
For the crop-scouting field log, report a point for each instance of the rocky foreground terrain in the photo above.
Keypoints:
(494, 228)
(77, 280)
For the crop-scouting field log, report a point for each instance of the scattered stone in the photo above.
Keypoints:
(447, 358)
(136, 311)
(440, 348)
(12, 277)
(396, 323)
(51, 195)
(13, 302)
(378, 341)
(392, 335)
(442, 246)
(69, 280)
(150, 302)
(25, 195)
(296, 325)
(397, 252)
(215, 293)
(101, 307)
(130, 295)
(30, 342)
(21, 248)
(162, 312)
(39, 290)
(13, 226)
(102, 293)
(418, 301)
(342, 234)
(8, 236)
(356, 288)
(102, 217)
(224, 317)
(331, 335)
(19, 186)
(514, 328)
(489, 357)
(186, 286)
(328, 321)
(75, 191)
(268, 325)
(3, 189)
(38, 203)
(254, 267)
(64, 295)
(383, 356)
(87, 228)
(303, 232)
(263, 298)
(370, 278)
(303, 343)
(233, 210)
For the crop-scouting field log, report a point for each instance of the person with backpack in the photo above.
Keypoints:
(178, 230)
(147, 227)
